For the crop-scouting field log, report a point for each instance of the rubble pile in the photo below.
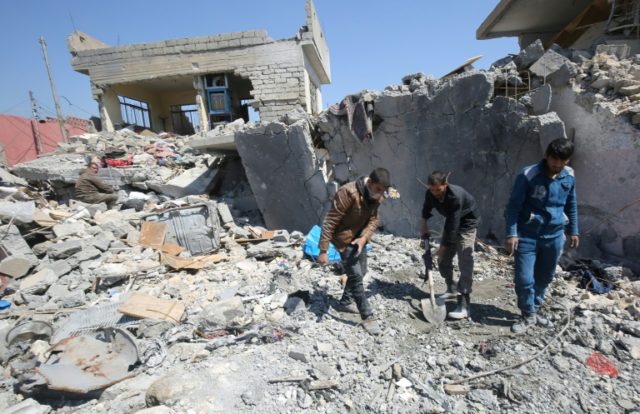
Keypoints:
(606, 76)
(249, 327)
(164, 163)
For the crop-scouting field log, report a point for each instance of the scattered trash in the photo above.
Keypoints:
(29, 331)
(195, 227)
(602, 365)
(193, 263)
(139, 305)
(589, 281)
(312, 250)
(152, 234)
(91, 361)
(88, 320)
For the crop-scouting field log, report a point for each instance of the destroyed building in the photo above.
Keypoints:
(191, 84)
(483, 126)
(578, 24)
(187, 299)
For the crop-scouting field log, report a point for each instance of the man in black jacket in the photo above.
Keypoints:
(459, 235)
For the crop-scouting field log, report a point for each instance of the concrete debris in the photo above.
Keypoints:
(39, 282)
(529, 55)
(548, 64)
(28, 406)
(18, 211)
(15, 266)
(249, 339)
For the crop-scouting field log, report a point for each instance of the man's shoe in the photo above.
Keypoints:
(523, 324)
(372, 326)
(544, 322)
(346, 307)
(449, 294)
(462, 310)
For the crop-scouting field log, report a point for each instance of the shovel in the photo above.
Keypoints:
(433, 312)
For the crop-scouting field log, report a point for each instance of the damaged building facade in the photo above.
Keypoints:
(484, 127)
(188, 85)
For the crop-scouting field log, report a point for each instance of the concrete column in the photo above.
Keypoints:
(105, 119)
(307, 92)
(201, 103)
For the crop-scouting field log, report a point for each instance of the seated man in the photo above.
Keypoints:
(91, 189)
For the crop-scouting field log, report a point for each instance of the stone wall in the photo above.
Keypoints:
(450, 126)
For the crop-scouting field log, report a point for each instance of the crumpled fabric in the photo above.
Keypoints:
(590, 281)
(359, 110)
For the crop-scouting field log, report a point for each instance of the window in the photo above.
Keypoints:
(135, 112)
(184, 119)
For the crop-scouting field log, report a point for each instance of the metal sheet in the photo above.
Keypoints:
(29, 330)
(196, 228)
(88, 320)
(90, 362)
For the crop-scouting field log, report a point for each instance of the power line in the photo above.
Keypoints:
(80, 108)
(14, 106)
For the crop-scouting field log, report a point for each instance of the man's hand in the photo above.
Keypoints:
(323, 259)
(511, 244)
(424, 239)
(574, 242)
(360, 243)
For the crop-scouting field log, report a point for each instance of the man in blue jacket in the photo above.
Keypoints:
(541, 208)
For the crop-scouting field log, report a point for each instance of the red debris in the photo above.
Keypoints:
(602, 365)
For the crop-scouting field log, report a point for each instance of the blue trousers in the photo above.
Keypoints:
(535, 260)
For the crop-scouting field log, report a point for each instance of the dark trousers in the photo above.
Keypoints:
(356, 267)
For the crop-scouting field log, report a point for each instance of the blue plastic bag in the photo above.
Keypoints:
(312, 250)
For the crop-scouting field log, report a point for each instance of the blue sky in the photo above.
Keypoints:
(373, 43)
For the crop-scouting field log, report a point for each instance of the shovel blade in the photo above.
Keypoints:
(434, 314)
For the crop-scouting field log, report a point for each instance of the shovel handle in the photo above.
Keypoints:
(431, 294)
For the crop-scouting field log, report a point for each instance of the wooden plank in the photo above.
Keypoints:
(144, 306)
(172, 249)
(194, 263)
(152, 234)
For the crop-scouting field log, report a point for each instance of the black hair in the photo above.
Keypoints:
(381, 176)
(560, 148)
(437, 178)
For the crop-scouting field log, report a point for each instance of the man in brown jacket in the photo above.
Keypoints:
(91, 189)
(350, 224)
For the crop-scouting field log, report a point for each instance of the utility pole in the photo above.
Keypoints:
(34, 124)
(63, 130)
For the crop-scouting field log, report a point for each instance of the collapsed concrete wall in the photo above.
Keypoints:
(284, 174)
(451, 126)
(478, 126)
(607, 165)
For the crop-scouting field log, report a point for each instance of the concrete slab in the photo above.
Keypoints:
(195, 181)
(225, 142)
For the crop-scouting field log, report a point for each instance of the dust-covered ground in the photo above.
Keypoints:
(277, 346)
